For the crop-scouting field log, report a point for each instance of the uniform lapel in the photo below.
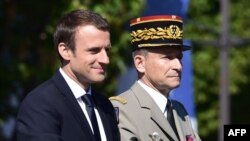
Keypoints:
(182, 122)
(162, 122)
(156, 114)
(179, 126)
(72, 103)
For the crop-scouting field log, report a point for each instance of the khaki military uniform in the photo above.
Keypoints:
(141, 119)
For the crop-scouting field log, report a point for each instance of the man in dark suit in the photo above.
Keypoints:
(57, 110)
(145, 111)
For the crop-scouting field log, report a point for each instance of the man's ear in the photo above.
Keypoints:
(64, 51)
(139, 61)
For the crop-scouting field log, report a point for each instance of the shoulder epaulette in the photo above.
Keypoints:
(118, 98)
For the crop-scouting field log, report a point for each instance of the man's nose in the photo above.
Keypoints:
(177, 64)
(104, 58)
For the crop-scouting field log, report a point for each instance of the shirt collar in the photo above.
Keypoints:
(159, 98)
(76, 89)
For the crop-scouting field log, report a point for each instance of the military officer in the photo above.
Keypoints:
(145, 112)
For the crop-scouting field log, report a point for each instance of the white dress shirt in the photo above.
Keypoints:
(78, 92)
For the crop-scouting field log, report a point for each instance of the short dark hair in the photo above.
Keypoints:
(67, 25)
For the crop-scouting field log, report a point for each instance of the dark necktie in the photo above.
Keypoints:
(88, 100)
(170, 116)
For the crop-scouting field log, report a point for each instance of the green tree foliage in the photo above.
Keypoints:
(203, 27)
(27, 53)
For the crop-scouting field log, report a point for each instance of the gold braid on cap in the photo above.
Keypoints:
(172, 32)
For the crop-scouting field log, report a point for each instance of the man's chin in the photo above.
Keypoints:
(176, 86)
(98, 80)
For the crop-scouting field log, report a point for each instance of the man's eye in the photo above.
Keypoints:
(167, 57)
(171, 57)
(94, 50)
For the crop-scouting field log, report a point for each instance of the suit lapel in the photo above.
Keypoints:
(156, 114)
(72, 103)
